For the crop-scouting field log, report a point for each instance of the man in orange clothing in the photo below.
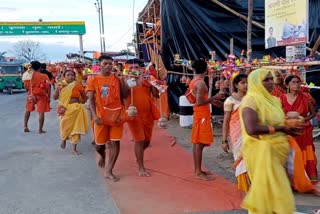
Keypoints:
(202, 134)
(141, 125)
(38, 86)
(106, 92)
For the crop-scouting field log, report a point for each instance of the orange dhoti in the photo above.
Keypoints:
(42, 104)
(202, 131)
(104, 134)
(141, 129)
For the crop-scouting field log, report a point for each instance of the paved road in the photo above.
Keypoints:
(37, 177)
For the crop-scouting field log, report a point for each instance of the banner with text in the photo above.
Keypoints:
(286, 22)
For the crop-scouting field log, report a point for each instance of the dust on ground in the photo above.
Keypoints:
(219, 162)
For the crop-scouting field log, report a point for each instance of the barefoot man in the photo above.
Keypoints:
(38, 86)
(106, 92)
(141, 125)
(202, 134)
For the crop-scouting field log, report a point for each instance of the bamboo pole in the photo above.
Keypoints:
(249, 30)
(145, 38)
(231, 45)
(316, 46)
(155, 37)
(146, 10)
(309, 49)
(237, 14)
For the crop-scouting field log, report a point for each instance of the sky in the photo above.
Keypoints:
(119, 20)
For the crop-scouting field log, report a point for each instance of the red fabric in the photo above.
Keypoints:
(305, 140)
(278, 91)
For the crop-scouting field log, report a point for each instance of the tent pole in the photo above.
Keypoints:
(154, 37)
(249, 30)
(315, 47)
(237, 14)
(231, 45)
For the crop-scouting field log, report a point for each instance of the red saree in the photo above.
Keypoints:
(278, 91)
(305, 140)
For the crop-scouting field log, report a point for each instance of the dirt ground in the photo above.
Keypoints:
(219, 162)
(213, 156)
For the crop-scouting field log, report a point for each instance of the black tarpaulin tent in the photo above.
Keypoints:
(192, 28)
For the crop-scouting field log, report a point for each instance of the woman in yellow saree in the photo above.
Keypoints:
(265, 147)
(231, 127)
(72, 113)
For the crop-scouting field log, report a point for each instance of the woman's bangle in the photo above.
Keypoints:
(224, 141)
(272, 130)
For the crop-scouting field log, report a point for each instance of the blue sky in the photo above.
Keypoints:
(118, 20)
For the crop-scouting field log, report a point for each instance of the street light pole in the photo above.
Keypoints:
(97, 5)
(102, 28)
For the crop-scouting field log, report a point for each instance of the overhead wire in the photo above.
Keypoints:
(130, 28)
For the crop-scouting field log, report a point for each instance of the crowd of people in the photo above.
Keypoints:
(273, 152)
(108, 99)
(272, 155)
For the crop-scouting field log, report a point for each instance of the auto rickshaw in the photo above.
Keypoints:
(11, 76)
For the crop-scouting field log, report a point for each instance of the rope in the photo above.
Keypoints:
(131, 90)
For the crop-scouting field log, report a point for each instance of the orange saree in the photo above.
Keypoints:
(305, 140)
(241, 174)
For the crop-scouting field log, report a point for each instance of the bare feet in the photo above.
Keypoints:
(207, 172)
(41, 132)
(111, 177)
(143, 173)
(102, 162)
(203, 177)
(75, 152)
(26, 129)
(317, 189)
(63, 144)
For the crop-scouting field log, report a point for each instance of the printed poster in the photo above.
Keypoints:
(286, 22)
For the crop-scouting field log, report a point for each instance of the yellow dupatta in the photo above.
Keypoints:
(75, 120)
(265, 155)
(65, 94)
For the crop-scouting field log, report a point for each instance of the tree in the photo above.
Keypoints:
(28, 50)
(2, 55)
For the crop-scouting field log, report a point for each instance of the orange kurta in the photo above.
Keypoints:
(39, 87)
(76, 91)
(141, 126)
(107, 94)
(202, 127)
